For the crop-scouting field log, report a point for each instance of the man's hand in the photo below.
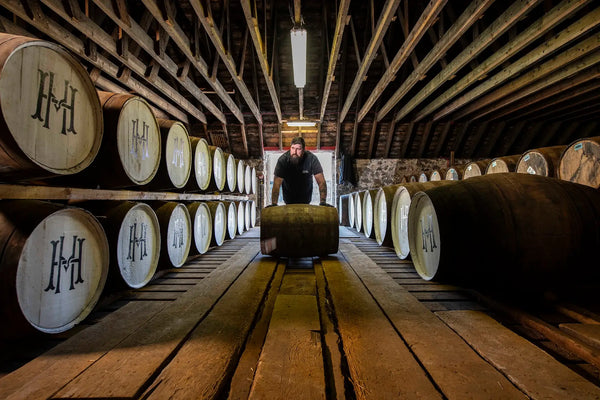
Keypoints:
(324, 203)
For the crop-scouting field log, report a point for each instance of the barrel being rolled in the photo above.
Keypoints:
(176, 233)
(299, 230)
(202, 226)
(51, 120)
(499, 165)
(507, 230)
(543, 161)
(53, 266)
(580, 162)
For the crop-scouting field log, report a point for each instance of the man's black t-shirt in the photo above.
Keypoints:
(297, 178)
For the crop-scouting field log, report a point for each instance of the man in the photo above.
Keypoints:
(294, 170)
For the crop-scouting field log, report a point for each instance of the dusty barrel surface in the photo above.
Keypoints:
(299, 230)
(499, 165)
(382, 212)
(202, 166)
(131, 150)
(53, 266)
(580, 162)
(399, 206)
(218, 215)
(176, 159)
(175, 232)
(543, 161)
(367, 212)
(202, 226)
(51, 120)
(134, 236)
(475, 168)
(231, 174)
(533, 231)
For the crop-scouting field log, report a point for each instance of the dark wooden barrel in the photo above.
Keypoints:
(423, 177)
(202, 166)
(475, 168)
(315, 231)
(382, 211)
(367, 212)
(543, 161)
(343, 210)
(175, 232)
(455, 173)
(134, 236)
(53, 266)
(438, 174)
(241, 175)
(580, 162)
(413, 178)
(202, 226)
(399, 208)
(218, 215)
(50, 116)
(232, 219)
(231, 174)
(507, 230)
(500, 165)
(176, 158)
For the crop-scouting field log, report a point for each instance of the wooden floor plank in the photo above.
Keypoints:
(299, 282)
(370, 342)
(202, 366)
(534, 371)
(588, 333)
(124, 371)
(46, 374)
(291, 363)
(457, 370)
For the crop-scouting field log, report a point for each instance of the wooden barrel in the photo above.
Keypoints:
(344, 203)
(367, 212)
(202, 226)
(175, 232)
(580, 162)
(241, 217)
(352, 210)
(203, 166)
(400, 206)
(218, 216)
(231, 174)
(315, 232)
(533, 232)
(358, 206)
(134, 236)
(250, 214)
(176, 159)
(241, 175)
(219, 169)
(543, 161)
(248, 179)
(500, 165)
(475, 168)
(438, 175)
(131, 150)
(50, 116)
(254, 180)
(232, 215)
(382, 210)
(455, 173)
(423, 177)
(53, 266)
(413, 178)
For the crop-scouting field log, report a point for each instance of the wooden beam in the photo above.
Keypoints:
(57, 32)
(516, 11)
(571, 33)
(355, 127)
(403, 20)
(340, 23)
(461, 135)
(390, 138)
(385, 18)
(215, 36)
(425, 138)
(372, 139)
(146, 43)
(528, 36)
(556, 109)
(255, 84)
(338, 122)
(178, 36)
(442, 138)
(409, 133)
(471, 14)
(356, 50)
(561, 67)
(244, 139)
(262, 55)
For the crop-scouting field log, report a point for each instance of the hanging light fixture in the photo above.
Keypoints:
(298, 36)
(302, 123)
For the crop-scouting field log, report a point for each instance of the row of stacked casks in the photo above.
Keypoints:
(56, 124)
(505, 230)
(578, 162)
(56, 261)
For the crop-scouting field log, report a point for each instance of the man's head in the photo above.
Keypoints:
(297, 149)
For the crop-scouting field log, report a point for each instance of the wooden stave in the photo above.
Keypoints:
(588, 174)
(315, 232)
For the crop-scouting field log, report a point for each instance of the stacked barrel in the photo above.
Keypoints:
(55, 126)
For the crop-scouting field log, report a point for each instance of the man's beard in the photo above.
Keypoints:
(296, 160)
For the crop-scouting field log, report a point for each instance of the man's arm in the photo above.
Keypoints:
(276, 185)
(322, 187)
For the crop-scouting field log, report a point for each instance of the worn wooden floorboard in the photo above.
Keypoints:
(126, 369)
(204, 363)
(48, 373)
(291, 363)
(538, 374)
(457, 370)
(587, 333)
(377, 357)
